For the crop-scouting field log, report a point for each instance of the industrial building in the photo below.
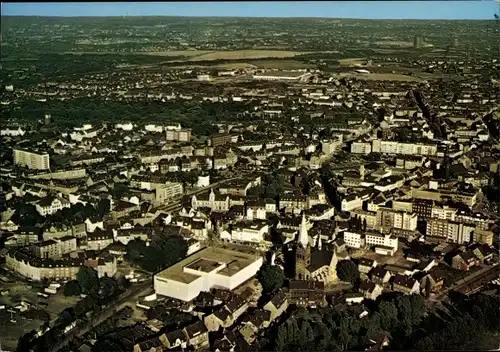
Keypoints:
(206, 269)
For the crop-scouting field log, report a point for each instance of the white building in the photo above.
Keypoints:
(393, 147)
(208, 268)
(388, 244)
(50, 205)
(203, 181)
(351, 202)
(354, 240)
(31, 160)
(280, 76)
(124, 126)
(245, 231)
(13, 132)
(361, 148)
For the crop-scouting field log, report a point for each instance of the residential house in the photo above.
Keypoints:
(380, 276)
(365, 265)
(370, 290)
(405, 284)
(464, 260)
(277, 305)
(434, 280)
(197, 335)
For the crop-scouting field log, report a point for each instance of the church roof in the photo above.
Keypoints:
(319, 259)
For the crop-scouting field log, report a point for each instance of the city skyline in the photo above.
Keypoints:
(430, 10)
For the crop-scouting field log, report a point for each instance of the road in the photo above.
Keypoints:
(132, 295)
(479, 277)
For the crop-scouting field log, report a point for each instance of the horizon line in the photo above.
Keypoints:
(262, 17)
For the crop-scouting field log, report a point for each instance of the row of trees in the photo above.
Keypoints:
(160, 254)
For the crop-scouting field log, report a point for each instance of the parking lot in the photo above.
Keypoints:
(22, 322)
(396, 259)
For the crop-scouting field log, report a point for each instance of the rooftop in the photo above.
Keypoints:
(206, 260)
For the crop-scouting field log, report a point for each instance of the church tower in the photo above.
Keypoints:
(302, 252)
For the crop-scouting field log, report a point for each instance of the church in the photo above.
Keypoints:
(313, 261)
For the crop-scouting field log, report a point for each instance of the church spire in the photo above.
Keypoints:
(303, 236)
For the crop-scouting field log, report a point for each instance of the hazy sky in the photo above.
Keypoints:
(335, 9)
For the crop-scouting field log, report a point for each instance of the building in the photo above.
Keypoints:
(417, 42)
(51, 204)
(389, 218)
(38, 269)
(370, 290)
(464, 260)
(280, 76)
(207, 268)
(183, 135)
(384, 244)
(168, 192)
(306, 293)
(54, 248)
(249, 231)
(313, 263)
(277, 305)
(31, 160)
(220, 139)
(451, 231)
(405, 284)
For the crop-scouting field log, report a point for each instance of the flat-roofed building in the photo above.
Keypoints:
(280, 76)
(208, 268)
(31, 159)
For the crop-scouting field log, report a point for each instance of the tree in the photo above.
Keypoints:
(347, 271)
(72, 288)
(271, 278)
(88, 280)
(109, 287)
(65, 317)
(103, 207)
(162, 252)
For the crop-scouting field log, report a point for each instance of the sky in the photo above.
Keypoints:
(473, 10)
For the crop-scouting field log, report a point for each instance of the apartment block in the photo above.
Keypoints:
(31, 160)
(183, 135)
(451, 231)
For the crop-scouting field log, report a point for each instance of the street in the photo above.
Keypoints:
(468, 281)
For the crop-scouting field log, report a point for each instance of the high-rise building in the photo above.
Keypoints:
(31, 160)
(417, 42)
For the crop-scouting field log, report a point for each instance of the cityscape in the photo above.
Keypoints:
(224, 181)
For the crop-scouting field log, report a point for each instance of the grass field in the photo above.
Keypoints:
(351, 61)
(187, 53)
(245, 54)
